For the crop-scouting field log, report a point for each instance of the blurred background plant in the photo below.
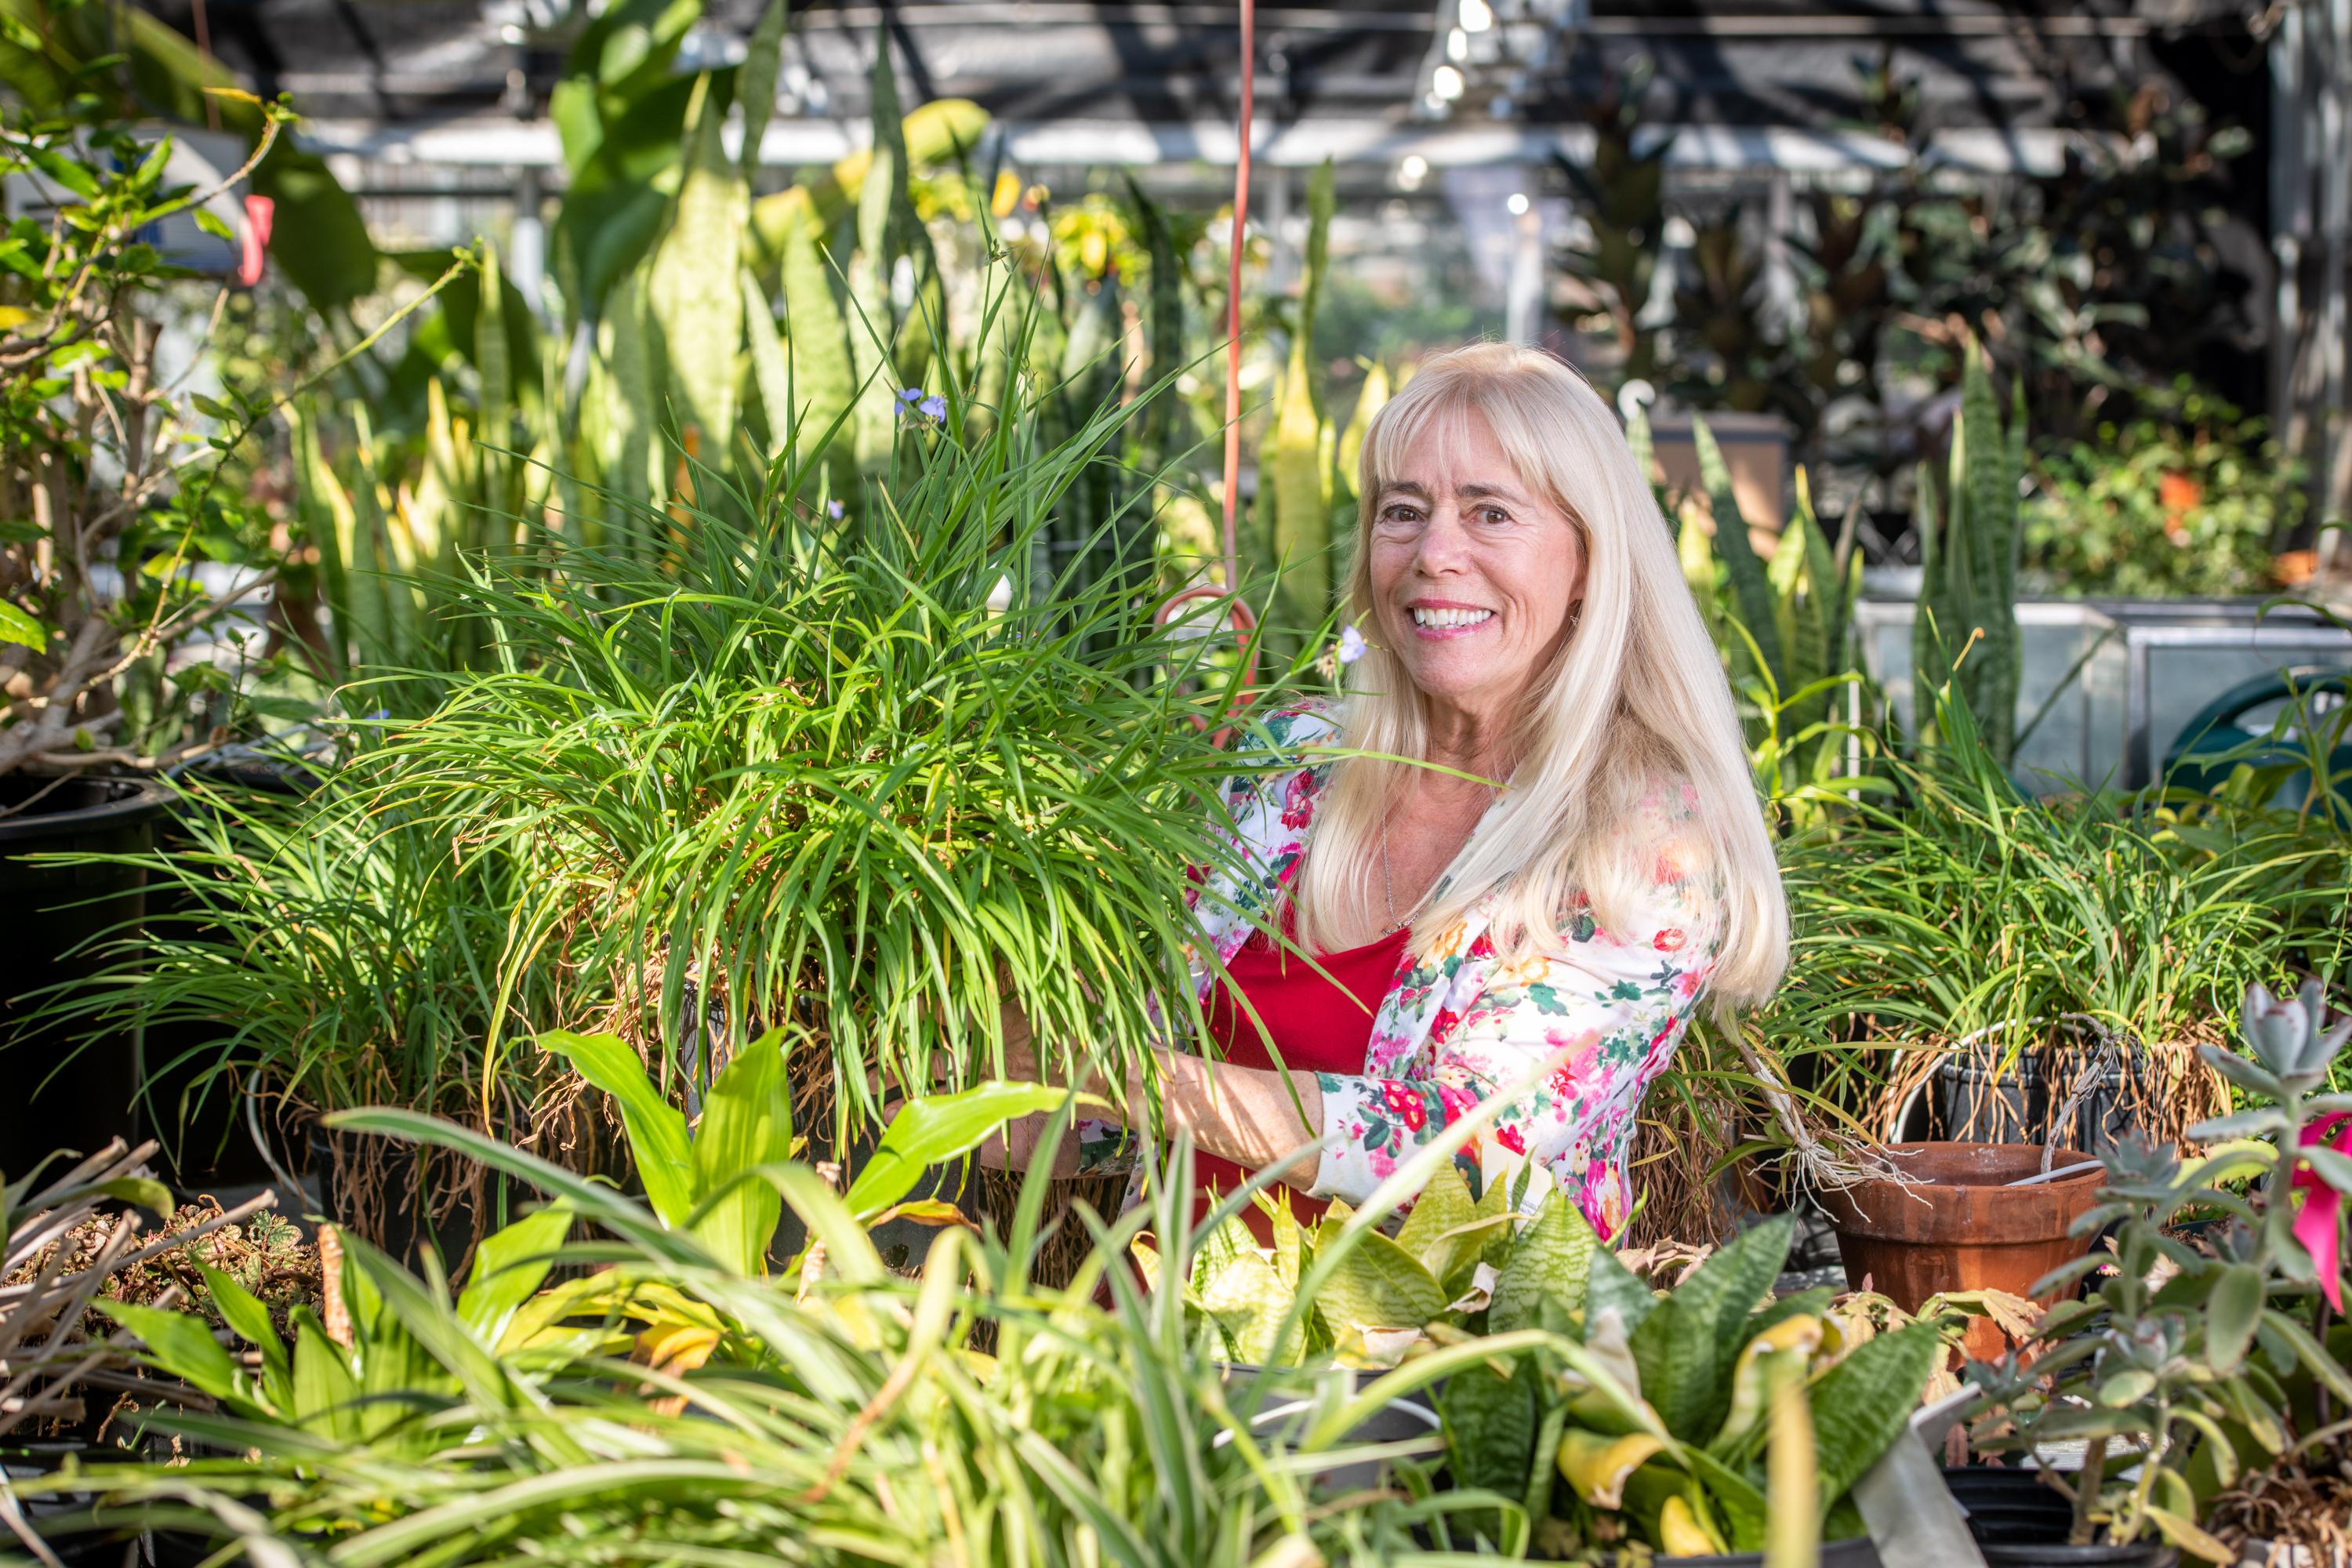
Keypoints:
(2184, 500)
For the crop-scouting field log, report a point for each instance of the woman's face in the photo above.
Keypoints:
(1474, 574)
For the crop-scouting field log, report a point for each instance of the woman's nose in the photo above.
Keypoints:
(1443, 545)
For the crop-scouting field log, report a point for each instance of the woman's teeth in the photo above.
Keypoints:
(1440, 620)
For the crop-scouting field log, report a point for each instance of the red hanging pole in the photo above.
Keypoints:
(1234, 301)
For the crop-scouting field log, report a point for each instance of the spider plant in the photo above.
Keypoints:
(859, 765)
(1964, 910)
(323, 959)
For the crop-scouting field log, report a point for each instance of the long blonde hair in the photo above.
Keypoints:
(1636, 702)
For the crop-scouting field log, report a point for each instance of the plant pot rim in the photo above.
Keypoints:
(1979, 1213)
(132, 801)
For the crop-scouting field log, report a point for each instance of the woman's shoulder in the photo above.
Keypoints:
(1290, 730)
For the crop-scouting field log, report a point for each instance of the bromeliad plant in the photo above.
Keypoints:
(2198, 1372)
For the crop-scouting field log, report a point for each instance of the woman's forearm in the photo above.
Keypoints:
(1258, 1118)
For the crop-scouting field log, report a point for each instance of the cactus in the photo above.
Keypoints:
(1966, 633)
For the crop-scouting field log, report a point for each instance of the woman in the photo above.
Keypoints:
(1582, 858)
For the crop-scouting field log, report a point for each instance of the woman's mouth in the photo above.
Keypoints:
(1433, 622)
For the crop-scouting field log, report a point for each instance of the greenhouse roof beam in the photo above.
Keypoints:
(492, 141)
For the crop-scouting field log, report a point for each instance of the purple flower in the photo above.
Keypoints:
(934, 407)
(910, 395)
(832, 510)
(1352, 646)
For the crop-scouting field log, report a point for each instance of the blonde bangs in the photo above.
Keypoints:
(1637, 701)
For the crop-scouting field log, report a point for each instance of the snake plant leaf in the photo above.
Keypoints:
(1797, 1335)
(823, 381)
(1444, 1207)
(509, 1266)
(693, 287)
(770, 373)
(656, 1129)
(1684, 1532)
(755, 82)
(1376, 1285)
(1489, 1419)
(1370, 401)
(1242, 1293)
(1738, 1501)
(1610, 1286)
(1752, 597)
(747, 1122)
(1596, 1464)
(1551, 1260)
(1861, 1404)
(1687, 1347)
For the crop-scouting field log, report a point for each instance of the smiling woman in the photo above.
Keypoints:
(1511, 863)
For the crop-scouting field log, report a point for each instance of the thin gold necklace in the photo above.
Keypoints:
(1388, 884)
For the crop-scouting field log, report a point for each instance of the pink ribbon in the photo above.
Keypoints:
(253, 246)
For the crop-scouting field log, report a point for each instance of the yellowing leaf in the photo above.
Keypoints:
(1596, 1464)
(1683, 1534)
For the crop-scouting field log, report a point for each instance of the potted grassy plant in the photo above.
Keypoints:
(861, 766)
(2195, 1369)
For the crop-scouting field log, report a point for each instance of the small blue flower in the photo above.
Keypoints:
(910, 395)
(934, 407)
(832, 510)
(1352, 646)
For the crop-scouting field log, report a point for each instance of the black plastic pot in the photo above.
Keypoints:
(2018, 1104)
(68, 1088)
(401, 1223)
(207, 1143)
(2019, 1522)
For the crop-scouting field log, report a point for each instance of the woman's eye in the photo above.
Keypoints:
(1492, 514)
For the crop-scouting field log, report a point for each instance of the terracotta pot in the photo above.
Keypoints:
(1961, 1227)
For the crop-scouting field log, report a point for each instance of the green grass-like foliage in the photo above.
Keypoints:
(1966, 904)
(860, 777)
(668, 1408)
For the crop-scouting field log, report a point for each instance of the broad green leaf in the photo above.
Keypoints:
(656, 1129)
(508, 1266)
(938, 1128)
(1241, 1292)
(181, 1344)
(2231, 1314)
(324, 1389)
(755, 80)
(1685, 1348)
(747, 1123)
(1443, 1207)
(768, 371)
(149, 1194)
(1490, 1428)
(1376, 1284)
(1551, 1260)
(1861, 1405)
(249, 1321)
(1611, 1286)
(16, 626)
(818, 345)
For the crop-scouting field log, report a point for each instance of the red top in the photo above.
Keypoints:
(1316, 1026)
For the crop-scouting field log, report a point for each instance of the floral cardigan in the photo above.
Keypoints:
(1459, 1025)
